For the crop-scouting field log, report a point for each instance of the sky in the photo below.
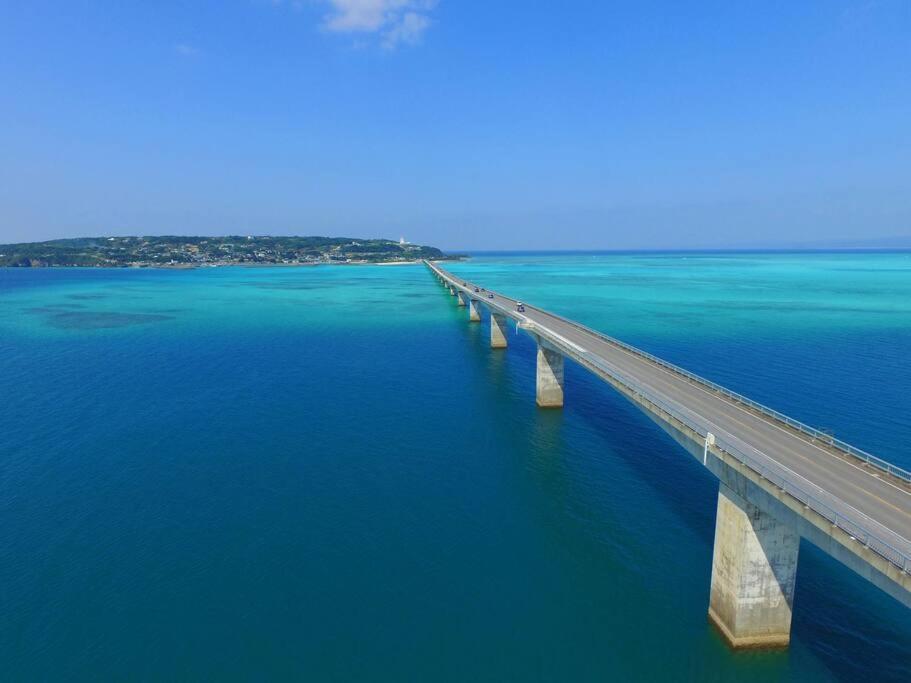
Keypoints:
(460, 123)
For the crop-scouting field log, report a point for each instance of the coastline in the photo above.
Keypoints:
(201, 266)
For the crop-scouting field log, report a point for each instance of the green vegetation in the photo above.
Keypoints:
(175, 252)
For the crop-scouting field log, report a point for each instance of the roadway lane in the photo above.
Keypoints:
(837, 481)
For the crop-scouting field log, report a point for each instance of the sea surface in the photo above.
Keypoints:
(325, 473)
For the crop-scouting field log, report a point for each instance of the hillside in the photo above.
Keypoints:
(174, 251)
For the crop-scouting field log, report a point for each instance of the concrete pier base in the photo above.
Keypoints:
(461, 298)
(549, 378)
(452, 291)
(497, 331)
(474, 311)
(754, 567)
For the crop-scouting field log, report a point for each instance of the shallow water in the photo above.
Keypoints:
(324, 472)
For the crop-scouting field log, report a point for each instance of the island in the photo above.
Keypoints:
(189, 252)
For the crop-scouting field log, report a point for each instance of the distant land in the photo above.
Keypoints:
(189, 252)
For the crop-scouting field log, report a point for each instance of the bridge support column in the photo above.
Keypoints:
(452, 291)
(549, 378)
(497, 331)
(754, 566)
(474, 311)
(461, 298)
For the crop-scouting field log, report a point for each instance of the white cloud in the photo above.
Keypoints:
(395, 21)
(408, 30)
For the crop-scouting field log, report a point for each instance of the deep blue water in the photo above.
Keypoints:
(325, 473)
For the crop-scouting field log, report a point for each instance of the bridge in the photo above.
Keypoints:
(779, 479)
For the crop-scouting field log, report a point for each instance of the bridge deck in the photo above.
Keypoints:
(868, 497)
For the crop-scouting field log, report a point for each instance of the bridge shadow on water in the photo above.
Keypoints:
(844, 623)
(835, 611)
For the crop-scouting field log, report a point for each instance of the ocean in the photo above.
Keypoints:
(325, 473)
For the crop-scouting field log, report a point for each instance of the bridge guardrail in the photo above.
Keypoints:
(817, 434)
(763, 465)
(769, 469)
(826, 438)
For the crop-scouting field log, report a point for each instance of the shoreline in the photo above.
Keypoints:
(202, 266)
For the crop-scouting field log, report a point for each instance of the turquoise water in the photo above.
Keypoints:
(324, 473)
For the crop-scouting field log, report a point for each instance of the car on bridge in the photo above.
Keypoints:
(520, 307)
(476, 289)
(490, 295)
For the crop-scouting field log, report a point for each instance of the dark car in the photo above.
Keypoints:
(490, 296)
(520, 307)
(476, 289)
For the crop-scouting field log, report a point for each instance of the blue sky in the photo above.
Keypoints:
(463, 124)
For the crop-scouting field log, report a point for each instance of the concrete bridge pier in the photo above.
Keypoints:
(452, 291)
(474, 311)
(497, 330)
(461, 298)
(754, 567)
(549, 377)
